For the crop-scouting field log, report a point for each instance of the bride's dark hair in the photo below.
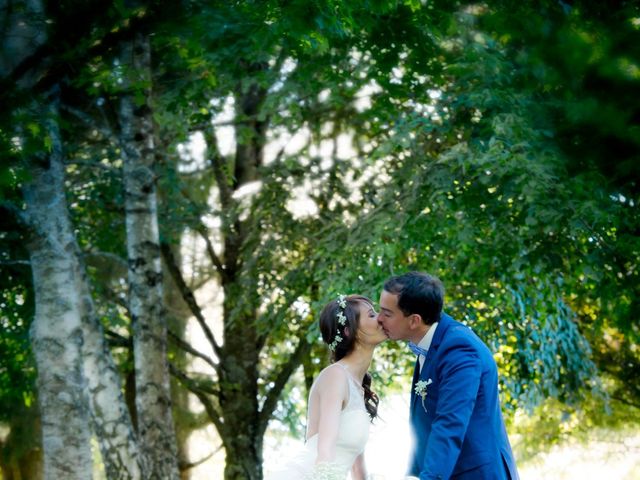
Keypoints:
(330, 328)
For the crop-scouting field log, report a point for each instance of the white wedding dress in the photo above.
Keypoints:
(353, 433)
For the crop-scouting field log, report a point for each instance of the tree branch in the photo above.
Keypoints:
(12, 210)
(57, 63)
(203, 232)
(15, 262)
(117, 259)
(187, 295)
(216, 160)
(212, 253)
(204, 386)
(89, 122)
(117, 340)
(287, 370)
(625, 401)
(184, 466)
(214, 414)
(189, 349)
(291, 295)
(101, 166)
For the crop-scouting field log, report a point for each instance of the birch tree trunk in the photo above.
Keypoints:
(153, 399)
(111, 419)
(22, 31)
(67, 338)
(56, 331)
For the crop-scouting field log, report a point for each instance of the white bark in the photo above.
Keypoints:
(68, 340)
(153, 399)
(111, 419)
(59, 273)
(56, 331)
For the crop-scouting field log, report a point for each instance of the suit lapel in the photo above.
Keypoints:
(443, 325)
(416, 376)
(428, 369)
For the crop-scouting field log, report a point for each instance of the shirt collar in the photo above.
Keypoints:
(428, 337)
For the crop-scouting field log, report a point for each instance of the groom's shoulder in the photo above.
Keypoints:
(457, 332)
(454, 327)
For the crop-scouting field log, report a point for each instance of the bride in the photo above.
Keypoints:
(341, 402)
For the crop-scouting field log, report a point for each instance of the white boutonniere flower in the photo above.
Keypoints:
(421, 389)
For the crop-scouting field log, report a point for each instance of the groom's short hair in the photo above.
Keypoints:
(418, 293)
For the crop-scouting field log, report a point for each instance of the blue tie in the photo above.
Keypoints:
(417, 350)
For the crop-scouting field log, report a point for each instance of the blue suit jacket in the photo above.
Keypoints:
(458, 427)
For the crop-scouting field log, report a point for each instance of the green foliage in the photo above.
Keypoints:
(17, 368)
(484, 192)
(483, 137)
(17, 372)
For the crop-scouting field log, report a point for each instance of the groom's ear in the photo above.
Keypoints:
(415, 321)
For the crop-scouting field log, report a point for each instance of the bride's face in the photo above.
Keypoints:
(370, 331)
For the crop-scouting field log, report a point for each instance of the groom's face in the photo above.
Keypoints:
(394, 323)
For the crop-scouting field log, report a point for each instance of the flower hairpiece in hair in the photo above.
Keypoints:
(342, 320)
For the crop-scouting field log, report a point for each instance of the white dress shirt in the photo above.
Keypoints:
(426, 342)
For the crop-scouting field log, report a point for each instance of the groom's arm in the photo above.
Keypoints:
(459, 373)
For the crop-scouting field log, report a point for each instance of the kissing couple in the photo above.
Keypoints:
(455, 415)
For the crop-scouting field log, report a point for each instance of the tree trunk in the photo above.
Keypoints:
(57, 268)
(56, 331)
(232, 403)
(240, 404)
(153, 400)
(111, 419)
(178, 317)
(240, 360)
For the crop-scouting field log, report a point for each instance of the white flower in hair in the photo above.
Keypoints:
(342, 320)
(342, 301)
(336, 341)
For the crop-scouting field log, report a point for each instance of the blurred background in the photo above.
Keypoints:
(184, 185)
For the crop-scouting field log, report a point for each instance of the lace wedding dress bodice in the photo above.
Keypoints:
(353, 433)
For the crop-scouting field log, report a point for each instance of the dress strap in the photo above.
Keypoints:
(344, 367)
(350, 375)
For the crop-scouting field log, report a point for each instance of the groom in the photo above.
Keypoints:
(455, 409)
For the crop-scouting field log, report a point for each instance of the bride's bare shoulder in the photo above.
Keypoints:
(332, 377)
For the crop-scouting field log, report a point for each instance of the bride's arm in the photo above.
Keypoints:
(331, 390)
(358, 470)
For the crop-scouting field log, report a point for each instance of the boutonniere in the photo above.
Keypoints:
(421, 389)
